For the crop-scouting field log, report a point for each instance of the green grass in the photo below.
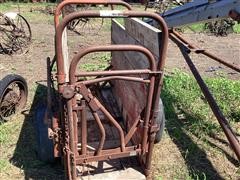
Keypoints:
(98, 62)
(182, 91)
(192, 126)
(236, 28)
(14, 5)
(7, 132)
(25, 9)
(4, 165)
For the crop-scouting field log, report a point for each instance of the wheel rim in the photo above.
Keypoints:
(16, 35)
(14, 98)
(86, 26)
(22, 34)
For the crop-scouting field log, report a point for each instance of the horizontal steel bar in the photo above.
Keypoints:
(109, 154)
(114, 72)
(103, 2)
(181, 39)
(87, 82)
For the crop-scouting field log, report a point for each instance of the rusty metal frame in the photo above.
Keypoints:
(68, 91)
(99, 2)
(186, 48)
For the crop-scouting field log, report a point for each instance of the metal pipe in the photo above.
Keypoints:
(115, 72)
(234, 142)
(115, 123)
(103, 134)
(204, 52)
(87, 82)
(83, 128)
(71, 140)
(100, 14)
(109, 154)
(91, 49)
(95, 105)
(101, 2)
(147, 114)
(132, 130)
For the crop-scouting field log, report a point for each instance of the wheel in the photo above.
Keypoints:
(86, 26)
(161, 121)
(13, 95)
(44, 144)
(16, 33)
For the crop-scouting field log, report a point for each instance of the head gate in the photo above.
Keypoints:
(79, 151)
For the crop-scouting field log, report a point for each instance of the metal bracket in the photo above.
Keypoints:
(87, 95)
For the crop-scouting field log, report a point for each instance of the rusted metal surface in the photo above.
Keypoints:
(100, 2)
(80, 97)
(91, 49)
(13, 95)
(186, 50)
(84, 129)
(234, 15)
(120, 72)
(197, 50)
(74, 119)
(97, 14)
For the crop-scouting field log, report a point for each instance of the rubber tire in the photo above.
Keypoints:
(44, 144)
(8, 80)
(161, 121)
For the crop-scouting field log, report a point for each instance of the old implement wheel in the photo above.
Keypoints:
(13, 95)
(44, 144)
(160, 121)
(15, 34)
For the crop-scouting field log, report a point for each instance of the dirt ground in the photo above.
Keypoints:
(42, 46)
(168, 155)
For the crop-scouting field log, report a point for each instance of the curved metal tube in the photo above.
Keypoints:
(204, 52)
(103, 2)
(115, 72)
(97, 14)
(88, 50)
(102, 130)
(125, 78)
(115, 123)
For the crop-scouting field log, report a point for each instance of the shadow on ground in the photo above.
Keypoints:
(25, 154)
(196, 160)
